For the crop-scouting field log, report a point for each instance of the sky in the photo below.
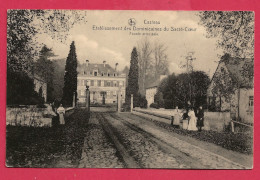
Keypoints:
(115, 46)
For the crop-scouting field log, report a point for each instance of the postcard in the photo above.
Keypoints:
(130, 89)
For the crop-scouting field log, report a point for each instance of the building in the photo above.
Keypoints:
(105, 83)
(232, 89)
(151, 90)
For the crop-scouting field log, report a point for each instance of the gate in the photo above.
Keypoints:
(88, 101)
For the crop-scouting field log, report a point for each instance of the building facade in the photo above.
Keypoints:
(151, 90)
(105, 83)
(238, 96)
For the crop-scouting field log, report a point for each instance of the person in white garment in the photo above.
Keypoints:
(193, 121)
(177, 117)
(61, 112)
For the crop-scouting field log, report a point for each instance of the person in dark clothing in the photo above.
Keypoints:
(200, 115)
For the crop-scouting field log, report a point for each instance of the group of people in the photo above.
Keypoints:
(60, 112)
(193, 120)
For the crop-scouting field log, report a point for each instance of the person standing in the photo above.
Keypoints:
(177, 116)
(200, 122)
(192, 122)
(61, 112)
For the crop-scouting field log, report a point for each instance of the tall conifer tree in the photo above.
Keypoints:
(70, 76)
(133, 87)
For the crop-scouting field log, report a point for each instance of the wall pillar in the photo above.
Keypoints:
(132, 102)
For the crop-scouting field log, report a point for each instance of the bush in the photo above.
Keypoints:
(126, 107)
(158, 98)
(168, 104)
(154, 105)
(140, 101)
(20, 89)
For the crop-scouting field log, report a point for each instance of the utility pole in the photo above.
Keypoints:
(189, 68)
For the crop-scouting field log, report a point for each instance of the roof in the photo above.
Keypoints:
(153, 84)
(238, 68)
(100, 68)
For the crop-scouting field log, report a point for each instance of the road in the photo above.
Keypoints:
(124, 140)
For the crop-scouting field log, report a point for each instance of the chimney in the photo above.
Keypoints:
(104, 62)
(87, 62)
(116, 66)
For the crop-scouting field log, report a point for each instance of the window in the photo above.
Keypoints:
(114, 93)
(102, 74)
(92, 83)
(108, 84)
(251, 101)
(108, 74)
(95, 73)
(86, 82)
(99, 83)
(82, 92)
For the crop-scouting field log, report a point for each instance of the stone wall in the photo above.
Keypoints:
(217, 120)
(29, 116)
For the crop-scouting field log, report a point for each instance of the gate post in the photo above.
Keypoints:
(87, 99)
(74, 99)
(232, 126)
(132, 102)
(119, 101)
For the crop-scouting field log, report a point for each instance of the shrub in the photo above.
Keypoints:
(168, 103)
(126, 107)
(20, 90)
(154, 105)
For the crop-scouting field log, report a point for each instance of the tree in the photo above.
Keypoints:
(44, 68)
(144, 62)
(152, 61)
(58, 78)
(133, 86)
(160, 63)
(192, 87)
(20, 90)
(235, 30)
(175, 90)
(22, 49)
(70, 76)
(23, 25)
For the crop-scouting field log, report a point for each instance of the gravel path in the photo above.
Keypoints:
(125, 141)
(145, 151)
(98, 150)
(207, 159)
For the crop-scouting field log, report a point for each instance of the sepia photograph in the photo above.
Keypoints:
(130, 89)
